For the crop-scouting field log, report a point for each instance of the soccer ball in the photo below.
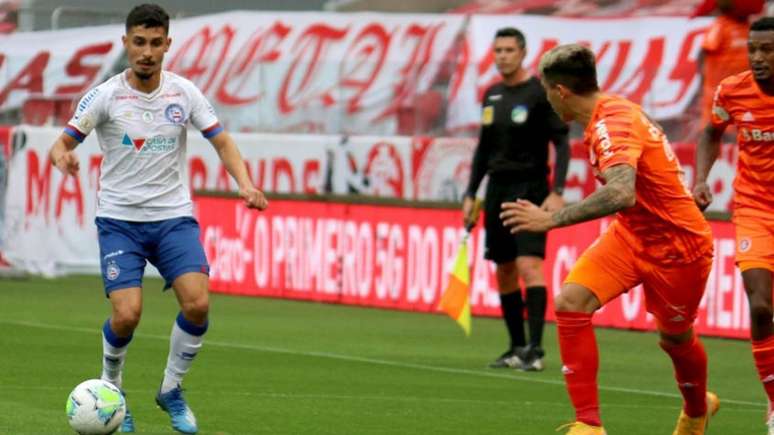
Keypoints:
(95, 407)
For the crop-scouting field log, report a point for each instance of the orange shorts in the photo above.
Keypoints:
(754, 243)
(672, 293)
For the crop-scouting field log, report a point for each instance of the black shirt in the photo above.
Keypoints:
(517, 122)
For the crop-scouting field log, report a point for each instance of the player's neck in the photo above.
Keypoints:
(766, 87)
(519, 76)
(583, 108)
(145, 86)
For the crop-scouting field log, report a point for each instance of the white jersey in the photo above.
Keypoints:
(143, 141)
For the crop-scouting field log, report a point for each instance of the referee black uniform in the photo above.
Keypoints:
(517, 122)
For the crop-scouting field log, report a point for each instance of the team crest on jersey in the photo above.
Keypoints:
(519, 114)
(112, 271)
(745, 244)
(175, 113)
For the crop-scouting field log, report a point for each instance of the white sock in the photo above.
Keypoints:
(183, 347)
(112, 362)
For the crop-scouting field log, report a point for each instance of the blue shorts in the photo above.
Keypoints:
(172, 245)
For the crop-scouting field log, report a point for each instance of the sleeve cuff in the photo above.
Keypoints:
(212, 131)
(74, 133)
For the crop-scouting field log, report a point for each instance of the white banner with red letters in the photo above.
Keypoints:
(650, 60)
(42, 205)
(400, 258)
(338, 73)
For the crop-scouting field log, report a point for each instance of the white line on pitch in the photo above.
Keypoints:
(374, 361)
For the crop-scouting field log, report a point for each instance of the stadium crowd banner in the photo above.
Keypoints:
(399, 258)
(650, 60)
(334, 73)
(288, 72)
(42, 205)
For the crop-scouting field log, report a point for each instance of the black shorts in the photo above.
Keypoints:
(501, 245)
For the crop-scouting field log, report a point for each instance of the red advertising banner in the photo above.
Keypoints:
(400, 257)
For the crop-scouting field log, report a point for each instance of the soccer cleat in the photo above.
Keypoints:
(770, 421)
(697, 425)
(532, 359)
(581, 428)
(127, 426)
(173, 403)
(510, 359)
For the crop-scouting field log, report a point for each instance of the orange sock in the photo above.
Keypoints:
(763, 354)
(690, 362)
(580, 359)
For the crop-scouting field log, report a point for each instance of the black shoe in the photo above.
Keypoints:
(510, 359)
(532, 359)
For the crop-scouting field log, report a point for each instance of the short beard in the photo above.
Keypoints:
(143, 76)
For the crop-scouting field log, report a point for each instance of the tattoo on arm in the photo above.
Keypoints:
(617, 194)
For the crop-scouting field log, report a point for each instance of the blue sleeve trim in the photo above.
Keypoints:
(212, 131)
(75, 134)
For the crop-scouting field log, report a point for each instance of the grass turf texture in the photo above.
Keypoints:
(282, 367)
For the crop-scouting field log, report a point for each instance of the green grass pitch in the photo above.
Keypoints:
(282, 367)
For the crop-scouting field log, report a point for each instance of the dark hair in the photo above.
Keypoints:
(512, 32)
(762, 24)
(148, 15)
(570, 65)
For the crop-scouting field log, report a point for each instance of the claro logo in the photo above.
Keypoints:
(757, 134)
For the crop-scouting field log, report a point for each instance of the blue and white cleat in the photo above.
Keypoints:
(173, 403)
(127, 426)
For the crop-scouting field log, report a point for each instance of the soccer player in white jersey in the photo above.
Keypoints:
(144, 210)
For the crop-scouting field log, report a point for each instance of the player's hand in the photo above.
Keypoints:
(553, 202)
(523, 215)
(67, 163)
(254, 198)
(702, 195)
(470, 212)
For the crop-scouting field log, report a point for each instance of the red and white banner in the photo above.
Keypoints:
(289, 72)
(650, 60)
(400, 258)
(43, 206)
(340, 73)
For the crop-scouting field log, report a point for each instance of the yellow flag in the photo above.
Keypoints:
(456, 298)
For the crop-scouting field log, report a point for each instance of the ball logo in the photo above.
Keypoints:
(519, 114)
(745, 244)
(112, 271)
(174, 113)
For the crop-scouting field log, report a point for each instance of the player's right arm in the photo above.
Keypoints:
(62, 154)
(709, 147)
(706, 153)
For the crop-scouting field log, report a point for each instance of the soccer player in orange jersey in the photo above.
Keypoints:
(747, 101)
(659, 239)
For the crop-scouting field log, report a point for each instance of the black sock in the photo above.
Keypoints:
(513, 314)
(536, 314)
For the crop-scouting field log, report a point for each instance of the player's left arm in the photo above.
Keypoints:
(232, 160)
(617, 194)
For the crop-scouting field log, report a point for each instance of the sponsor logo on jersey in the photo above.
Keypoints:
(153, 145)
(487, 115)
(605, 144)
(147, 117)
(519, 114)
(495, 97)
(756, 134)
(175, 113)
(748, 117)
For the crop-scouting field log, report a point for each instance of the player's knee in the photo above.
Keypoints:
(196, 309)
(125, 319)
(576, 300)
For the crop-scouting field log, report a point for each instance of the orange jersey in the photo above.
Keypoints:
(665, 224)
(739, 101)
(725, 54)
